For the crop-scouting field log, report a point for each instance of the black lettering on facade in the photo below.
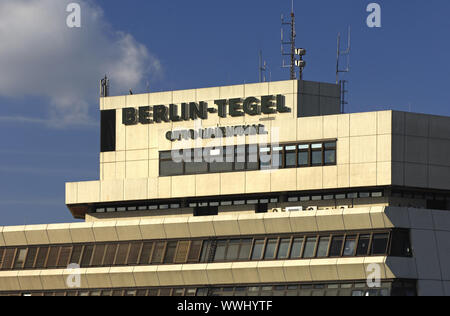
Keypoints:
(198, 110)
(267, 105)
(251, 106)
(129, 116)
(235, 106)
(160, 114)
(281, 104)
(173, 113)
(222, 107)
(145, 115)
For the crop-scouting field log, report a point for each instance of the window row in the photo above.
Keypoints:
(246, 158)
(392, 288)
(394, 243)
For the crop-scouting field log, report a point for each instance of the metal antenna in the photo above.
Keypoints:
(293, 53)
(263, 68)
(343, 53)
(104, 87)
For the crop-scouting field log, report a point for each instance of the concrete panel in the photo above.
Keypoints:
(232, 183)
(137, 169)
(439, 127)
(257, 89)
(441, 220)
(164, 188)
(377, 217)
(324, 269)
(177, 227)
(351, 269)
(201, 227)
(363, 124)
(283, 180)
(30, 280)
(363, 149)
(416, 150)
(53, 279)
(330, 177)
(430, 288)
(416, 124)
(443, 247)
(364, 174)
(446, 286)
(245, 272)
(226, 225)
(343, 176)
(105, 231)
(152, 187)
(282, 87)
(396, 217)
(310, 128)
(425, 250)
(137, 137)
(136, 189)
(357, 219)
(384, 122)
(36, 235)
(161, 98)
(184, 96)
(438, 178)
(194, 274)
(146, 276)
(271, 272)
(122, 277)
(276, 223)
(14, 236)
(59, 234)
(207, 185)
(257, 181)
(112, 103)
(384, 147)
(229, 92)
(71, 193)
(208, 94)
(10, 281)
(303, 222)
(330, 220)
(297, 270)
(169, 275)
(310, 178)
(283, 131)
(416, 175)
(88, 192)
(384, 173)
(439, 152)
(343, 151)
(251, 224)
(401, 268)
(112, 191)
(98, 278)
(129, 230)
(152, 229)
(344, 125)
(421, 219)
(82, 232)
(220, 273)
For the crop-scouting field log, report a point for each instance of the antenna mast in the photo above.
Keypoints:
(263, 68)
(343, 53)
(293, 53)
(104, 87)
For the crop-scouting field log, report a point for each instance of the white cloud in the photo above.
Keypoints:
(41, 57)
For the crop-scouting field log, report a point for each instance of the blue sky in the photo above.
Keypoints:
(49, 131)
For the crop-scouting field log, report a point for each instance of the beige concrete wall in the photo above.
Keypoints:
(317, 270)
(421, 150)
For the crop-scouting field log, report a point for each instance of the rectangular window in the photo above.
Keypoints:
(270, 249)
(64, 255)
(146, 253)
(322, 249)
(170, 252)
(330, 153)
(122, 253)
(291, 157)
(53, 257)
(182, 252)
(310, 247)
(379, 244)
(108, 130)
(233, 250)
(87, 255)
(76, 254)
(244, 252)
(336, 246)
(110, 255)
(297, 246)
(363, 245)
(277, 157)
(20, 258)
(283, 251)
(99, 253)
(195, 251)
(220, 250)
(158, 252)
(168, 167)
(133, 256)
(349, 247)
(31, 257)
(41, 257)
(316, 154)
(258, 249)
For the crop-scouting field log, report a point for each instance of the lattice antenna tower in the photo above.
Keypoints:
(288, 48)
(343, 54)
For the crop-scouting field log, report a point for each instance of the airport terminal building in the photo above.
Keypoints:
(260, 189)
